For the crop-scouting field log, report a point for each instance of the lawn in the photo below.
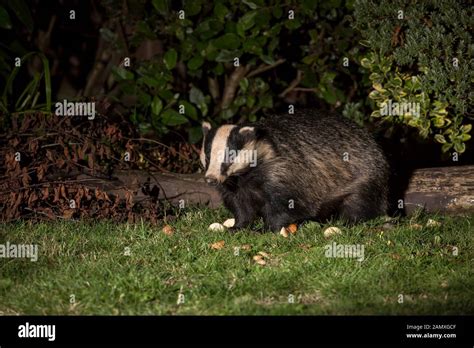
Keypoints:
(109, 268)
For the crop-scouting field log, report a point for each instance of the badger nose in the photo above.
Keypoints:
(211, 180)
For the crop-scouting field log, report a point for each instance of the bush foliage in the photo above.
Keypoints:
(236, 61)
(231, 61)
(421, 52)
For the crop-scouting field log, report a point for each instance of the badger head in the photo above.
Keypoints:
(231, 150)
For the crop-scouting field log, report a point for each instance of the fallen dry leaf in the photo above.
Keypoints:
(292, 228)
(331, 231)
(284, 232)
(229, 223)
(433, 223)
(216, 227)
(246, 247)
(218, 245)
(168, 230)
(259, 260)
(416, 226)
(67, 214)
(264, 254)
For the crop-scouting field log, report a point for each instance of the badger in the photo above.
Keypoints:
(291, 168)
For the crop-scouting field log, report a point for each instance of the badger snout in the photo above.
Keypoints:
(211, 180)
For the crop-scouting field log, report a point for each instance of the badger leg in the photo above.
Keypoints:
(366, 203)
(244, 215)
(275, 217)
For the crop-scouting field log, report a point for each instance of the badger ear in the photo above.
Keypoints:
(206, 127)
(247, 131)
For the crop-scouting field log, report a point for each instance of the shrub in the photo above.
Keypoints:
(421, 52)
(231, 61)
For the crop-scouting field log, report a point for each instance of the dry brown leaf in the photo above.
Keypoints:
(331, 231)
(292, 228)
(67, 214)
(168, 230)
(416, 226)
(218, 245)
(433, 223)
(259, 260)
(284, 232)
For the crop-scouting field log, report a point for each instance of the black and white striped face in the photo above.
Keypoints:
(227, 150)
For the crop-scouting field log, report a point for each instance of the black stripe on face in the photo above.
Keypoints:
(235, 142)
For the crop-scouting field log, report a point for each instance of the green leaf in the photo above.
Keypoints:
(189, 110)
(171, 117)
(246, 22)
(4, 19)
(277, 11)
(23, 13)
(194, 134)
(250, 4)
(192, 8)
(459, 147)
(196, 96)
(240, 100)
(227, 113)
(156, 106)
(365, 63)
(267, 59)
(225, 56)
(244, 84)
(220, 10)
(227, 41)
(310, 5)
(438, 122)
(466, 128)
(446, 147)
(161, 6)
(195, 62)
(293, 23)
(375, 113)
(374, 95)
(251, 101)
(265, 101)
(123, 73)
(440, 138)
(170, 59)
(166, 94)
(397, 82)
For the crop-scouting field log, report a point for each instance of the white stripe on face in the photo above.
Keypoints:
(202, 155)
(219, 144)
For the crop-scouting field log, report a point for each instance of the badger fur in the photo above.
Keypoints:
(291, 168)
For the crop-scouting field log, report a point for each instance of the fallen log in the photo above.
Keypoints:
(443, 189)
(178, 189)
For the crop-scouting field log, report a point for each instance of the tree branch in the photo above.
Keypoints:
(293, 84)
(263, 68)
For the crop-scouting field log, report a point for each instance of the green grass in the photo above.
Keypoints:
(87, 260)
